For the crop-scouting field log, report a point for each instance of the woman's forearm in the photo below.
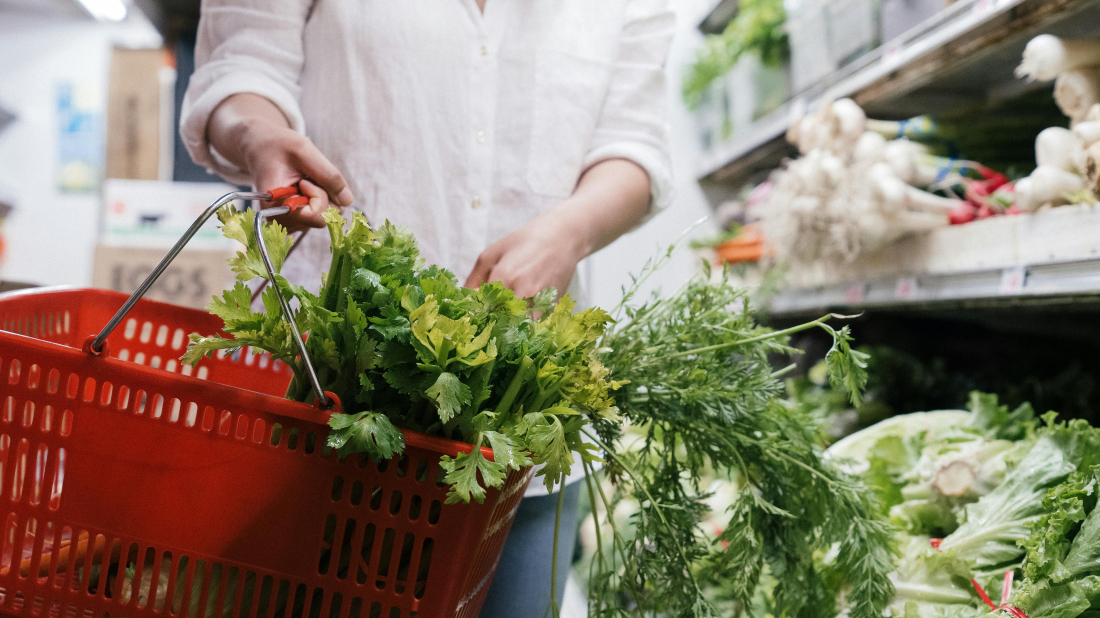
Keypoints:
(236, 122)
(611, 198)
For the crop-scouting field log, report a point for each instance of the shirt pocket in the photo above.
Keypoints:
(569, 94)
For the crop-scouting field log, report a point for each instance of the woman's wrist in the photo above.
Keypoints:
(240, 126)
(573, 231)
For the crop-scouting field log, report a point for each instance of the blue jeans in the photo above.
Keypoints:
(521, 585)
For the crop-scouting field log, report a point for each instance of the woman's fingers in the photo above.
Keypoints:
(313, 165)
(318, 204)
(485, 264)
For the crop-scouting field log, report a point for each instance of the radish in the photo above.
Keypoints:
(965, 212)
(1046, 56)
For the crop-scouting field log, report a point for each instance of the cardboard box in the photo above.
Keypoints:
(133, 114)
(190, 281)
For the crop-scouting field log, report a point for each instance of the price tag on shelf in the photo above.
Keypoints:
(891, 56)
(1012, 280)
(796, 109)
(981, 7)
(904, 288)
(856, 293)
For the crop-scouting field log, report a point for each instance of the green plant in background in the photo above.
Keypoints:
(757, 29)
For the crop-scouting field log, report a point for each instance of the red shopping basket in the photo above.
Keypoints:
(137, 487)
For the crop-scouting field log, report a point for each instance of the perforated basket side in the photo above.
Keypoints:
(198, 481)
(476, 586)
(154, 334)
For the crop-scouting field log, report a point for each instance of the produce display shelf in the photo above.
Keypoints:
(964, 55)
(1045, 258)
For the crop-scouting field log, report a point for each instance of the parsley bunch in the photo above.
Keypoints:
(403, 345)
(703, 402)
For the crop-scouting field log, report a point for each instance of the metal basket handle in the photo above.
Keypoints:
(290, 202)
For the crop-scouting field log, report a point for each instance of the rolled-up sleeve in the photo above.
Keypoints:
(633, 123)
(252, 46)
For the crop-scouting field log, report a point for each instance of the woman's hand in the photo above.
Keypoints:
(611, 197)
(253, 134)
(279, 157)
(541, 254)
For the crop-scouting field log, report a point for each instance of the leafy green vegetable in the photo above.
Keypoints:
(365, 432)
(926, 581)
(926, 467)
(703, 399)
(403, 345)
(1065, 507)
(997, 422)
(1022, 497)
(987, 538)
(1063, 550)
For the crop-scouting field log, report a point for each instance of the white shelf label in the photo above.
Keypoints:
(1012, 280)
(891, 57)
(856, 293)
(904, 288)
(981, 7)
(796, 110)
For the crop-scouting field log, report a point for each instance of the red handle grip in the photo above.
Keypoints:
(281, 192)
(289, 196)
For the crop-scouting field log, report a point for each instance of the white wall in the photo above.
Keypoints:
(610, 269)
(51, 234)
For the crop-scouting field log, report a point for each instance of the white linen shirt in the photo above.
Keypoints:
(459, 124)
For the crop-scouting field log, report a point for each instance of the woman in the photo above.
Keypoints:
(513, 137)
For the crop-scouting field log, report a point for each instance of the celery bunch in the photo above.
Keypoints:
(403, 345)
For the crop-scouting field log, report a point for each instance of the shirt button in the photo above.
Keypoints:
(481, 137)
(484, 50)
(476, 202)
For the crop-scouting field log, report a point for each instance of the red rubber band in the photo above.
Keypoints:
(1006, 589)
(982, 594)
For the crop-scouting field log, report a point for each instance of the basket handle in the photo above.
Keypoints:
(291, 200)
(257, 227)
